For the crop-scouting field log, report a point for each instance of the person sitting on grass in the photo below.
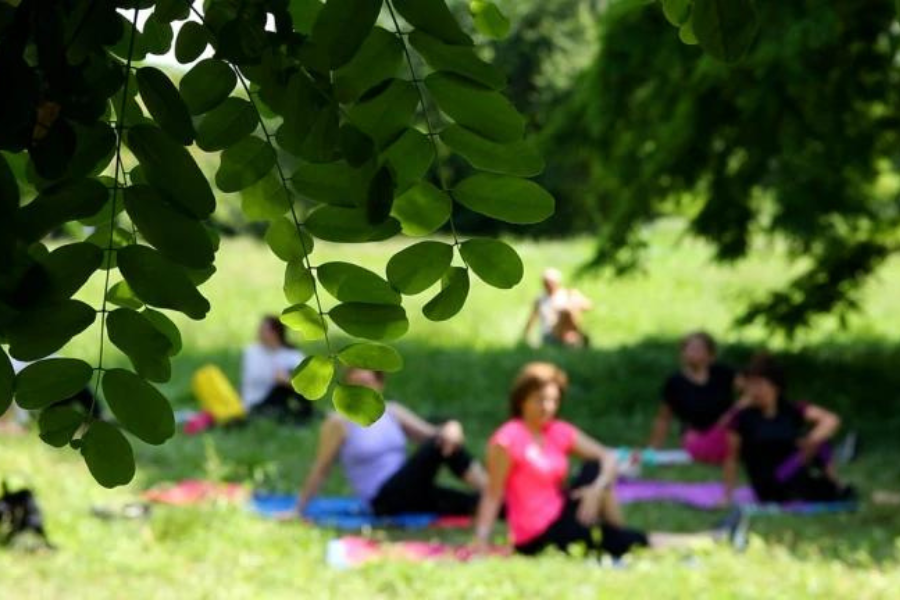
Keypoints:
(266, 368)
(783, 446)
(559, 312)
(701, 397)
(527, 464)
(381, 473)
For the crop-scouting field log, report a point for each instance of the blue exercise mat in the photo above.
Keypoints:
(338, 512)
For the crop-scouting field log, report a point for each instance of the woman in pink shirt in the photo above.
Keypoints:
(527, 463)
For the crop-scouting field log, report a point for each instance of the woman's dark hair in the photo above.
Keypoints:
(530, 379)
(764, 365)
(275, 324)
(703, 337)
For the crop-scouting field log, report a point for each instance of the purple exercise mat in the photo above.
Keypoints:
(705, 495)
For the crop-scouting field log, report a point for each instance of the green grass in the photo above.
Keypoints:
(463, 368)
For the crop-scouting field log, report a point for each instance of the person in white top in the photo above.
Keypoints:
(266, 369)
(559, 311)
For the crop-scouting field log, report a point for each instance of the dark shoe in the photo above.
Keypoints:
(735, 528)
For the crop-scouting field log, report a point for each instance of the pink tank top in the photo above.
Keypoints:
(537, 474)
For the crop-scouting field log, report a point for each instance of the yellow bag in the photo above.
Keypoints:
(216, 394)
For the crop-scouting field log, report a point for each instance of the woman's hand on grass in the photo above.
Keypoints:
(589, 500)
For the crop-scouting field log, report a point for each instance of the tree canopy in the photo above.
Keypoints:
(333, 120)
(794, 139)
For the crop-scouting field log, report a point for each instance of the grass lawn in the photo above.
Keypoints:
(463, 368)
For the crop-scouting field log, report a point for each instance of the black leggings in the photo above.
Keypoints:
(567, 530)
(412, 488)
(284, 404)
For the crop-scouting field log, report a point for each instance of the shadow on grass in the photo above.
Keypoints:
(614, 393)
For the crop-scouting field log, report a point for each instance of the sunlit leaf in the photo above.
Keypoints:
(378, 59)
(385, 115)
(360, 404)
(488, 19)
(313, 376)
(299, 283)
(518, 158)
(452, 297)
(305, 320)
(287, 241)
(372, 356)
(504, 198)
(422, 209)
(460, 60)
(370, 321)
(351, 283)
(495, 262)
(410, 157)
(483, 111)
(433, 17)
(348, 225)
(416, 268)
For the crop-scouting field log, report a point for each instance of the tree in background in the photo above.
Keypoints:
(791, 141)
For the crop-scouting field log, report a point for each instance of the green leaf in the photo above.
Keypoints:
(7, 382)
(226, 124)
(360, 404)
(59, 204)
(320, 145)
(410, 157)
(518, 158)
(495, 262)
(504, 198)
(162, 99)
(334, 183)
(164, 325)
(58, 425)
(460, 60)
(384, 116)
(379, 59)
(305, 320)
(138, 406)
(40, 332)
(313, 376)
(370, 321)
(348, 225)
(105, 215)
(422, 209)
(299, 283)
(172, 10)
(301, 112)
(489, 21)
(416, 268)
(304, 14)
(686, 34)
(122, 295)
(265, 199)
(725, 28)
(380, 197)
(50, 381)
(146, 347)
(160, 282)
(372, 356)
(169, 167)
(433, 17)
(108, 455)
(677, 12)
(342, 26)
(156, 36)
(350, 283)
(179, 238)
(287, 241)
(95, 148)
(485, 112)
(356, 147)
(451, 298)
(101, 239)
(191, 42)
(207, 85)
(67, 269)
(244, 163)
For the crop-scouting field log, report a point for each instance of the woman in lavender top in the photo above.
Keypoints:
(378, 469)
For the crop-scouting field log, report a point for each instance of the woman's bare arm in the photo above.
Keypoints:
(824, 425)
(331, 437)
(498, 464)
(730, 466)
(661, 425)
(417, 428)
(587, 448)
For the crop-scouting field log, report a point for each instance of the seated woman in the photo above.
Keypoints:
(701, 397)
(782, 445)
(266, 369)
(527, 464)
(376, 463)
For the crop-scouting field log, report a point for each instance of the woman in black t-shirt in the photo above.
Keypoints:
(701, 396)
(782, 445)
